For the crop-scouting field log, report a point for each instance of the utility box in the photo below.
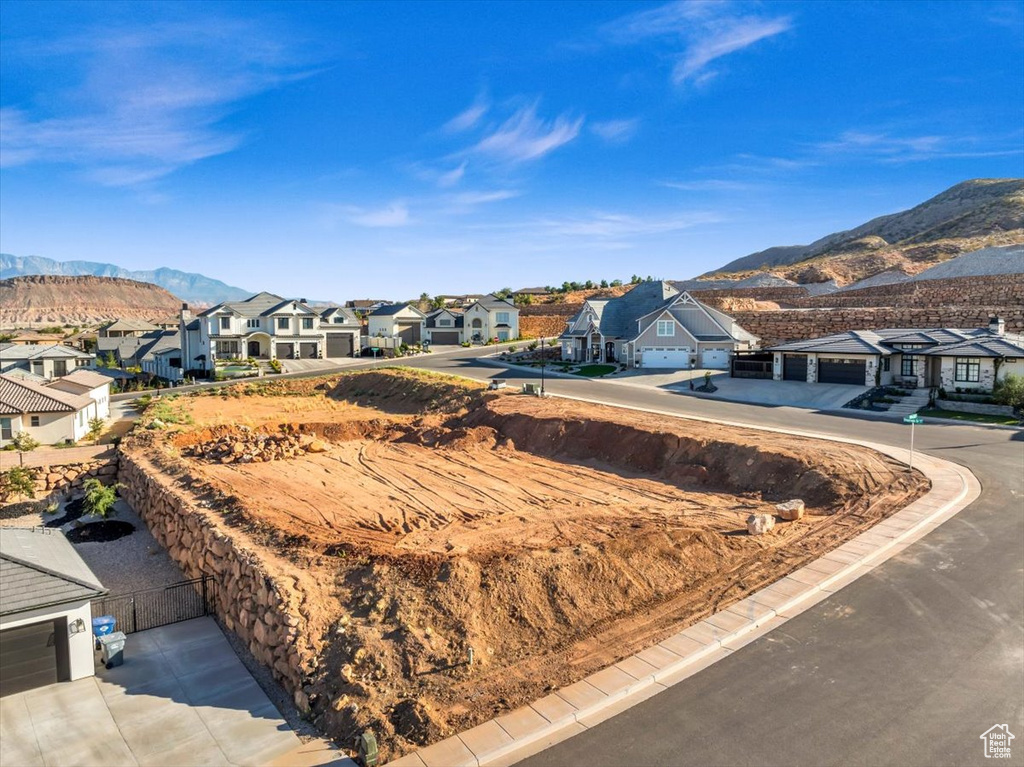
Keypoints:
(112, 648)
(366, 748)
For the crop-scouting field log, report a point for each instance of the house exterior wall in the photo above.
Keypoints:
(160, 365)
(987, 377)
(680, 335)
(46, 367)
(489, 322)
(100, 396)
(82, 662)
(388, 326)
(694, 319)
(53, 428)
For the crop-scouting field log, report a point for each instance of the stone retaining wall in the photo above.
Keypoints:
(262, 612)
(52, 482)
(974, 407)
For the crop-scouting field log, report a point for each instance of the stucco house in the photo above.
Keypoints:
(445, 326)
(403, 322)
(491, 318)
(127, 328)
(264, 326)
(47, 414)
(341, 328)
(654, 325)
(131, 351)
(87, 383)
(950, 358)
(46, 590)
(51, 361)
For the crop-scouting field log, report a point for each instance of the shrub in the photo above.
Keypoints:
(17, 481)
(513, 349)
(1010, 391)
(96, 428)
(466, 344)
(23, 442)
(99, 498)
(532, 347)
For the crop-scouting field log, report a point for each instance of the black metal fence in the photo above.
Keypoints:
(148, 609)
(751, 368)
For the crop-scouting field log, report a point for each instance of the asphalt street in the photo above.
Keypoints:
(909, 665)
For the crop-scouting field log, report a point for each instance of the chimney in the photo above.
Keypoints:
(997, 326)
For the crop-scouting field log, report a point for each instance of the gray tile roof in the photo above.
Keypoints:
(458, 320)
(128, 326)
(329, 315)
(259, 305)
(389, 310)
(973, 342)
(619, 315)
(991, 346)
(40, 568)
(139, 347)
(491, 302)
(53, 351)
(21, 395)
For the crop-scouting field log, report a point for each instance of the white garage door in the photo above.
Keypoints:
(714, 359)
(677, 357)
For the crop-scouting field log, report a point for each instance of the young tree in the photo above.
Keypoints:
(635, 280)
(589, 284)
(437, 302)
(96, 428)
(616, 283)
(24, 443)
(604, 283)
(99, 498)
(17, 482)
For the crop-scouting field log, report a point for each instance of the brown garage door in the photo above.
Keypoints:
(409, 332)
(444, 338)
(29, 656)
(307, 351)
(339, 344)
(286, 351)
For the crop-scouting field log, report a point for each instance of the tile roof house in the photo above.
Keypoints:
(45, 616)
(490, 318)
(951, 358)
(654, 326)
(50, 361)
(48, 412)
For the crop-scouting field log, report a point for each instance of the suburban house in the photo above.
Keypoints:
(444, 326)
(127, 328)
(48, 414)
(403, 322)
(365, 305)
(951, 358)
(87, 383)
(264, 326)
(165, 363)
(35, 338)
(46, 590)
(51, 361)
(460, 301)
(491, 318)
(131, 351)
(654, 326)
(342, 329)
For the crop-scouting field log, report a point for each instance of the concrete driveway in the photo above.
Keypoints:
(181, 697)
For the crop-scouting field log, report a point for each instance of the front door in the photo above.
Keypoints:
(254, 348)
(609, 351)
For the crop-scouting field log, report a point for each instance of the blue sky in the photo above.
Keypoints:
(341, 150)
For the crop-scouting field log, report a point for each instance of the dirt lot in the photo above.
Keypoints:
(552, 537)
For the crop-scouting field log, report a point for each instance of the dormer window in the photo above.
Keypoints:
(444, 323)
(225, 323)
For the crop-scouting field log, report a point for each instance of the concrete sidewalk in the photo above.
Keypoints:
(567, 712)
(182, 697)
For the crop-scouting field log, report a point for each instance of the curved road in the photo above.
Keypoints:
(909, 665)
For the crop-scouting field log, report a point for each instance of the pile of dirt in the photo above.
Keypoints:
(550, 537)
(244, 445)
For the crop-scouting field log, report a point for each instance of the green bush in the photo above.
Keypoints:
(99, 498)
(18, 482)
(1010, 391)
(24, 442)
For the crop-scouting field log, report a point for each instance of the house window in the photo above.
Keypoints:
(225, 323)
(477, 323)
(34, 420)
(968, 369)
(501, 318)
(6, 430)
(886, 364)
(254, 323)
(282, 323)
(307, 323)
(444, 323)
(82, 363)
(665, 328)
(339, 320)
(909, 365)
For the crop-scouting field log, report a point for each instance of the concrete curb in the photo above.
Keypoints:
(584, 704)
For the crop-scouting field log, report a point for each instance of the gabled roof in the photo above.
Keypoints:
(90, 379)
(330, 314)
(618, 317)
(254, 306)
(951, 342)
(40, 568)
(490, 302)
(990, 346)
(20, 395)
(53, 351)
(458, 319)
(128, 326)
(139, 347)
(391, 310)
(852, 342)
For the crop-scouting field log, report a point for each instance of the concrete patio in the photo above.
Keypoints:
(181, 697)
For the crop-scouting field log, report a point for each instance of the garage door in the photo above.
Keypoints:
(28, 657)
(286, 351)
(307, 351)
(444, 338)
(841, 371)
(714, 359)
(339, 344)
(409, 332)
(665, 357)
(794, 367)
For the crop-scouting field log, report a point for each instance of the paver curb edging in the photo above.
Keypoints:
(572, 709)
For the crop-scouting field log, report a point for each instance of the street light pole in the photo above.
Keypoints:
(543, 364)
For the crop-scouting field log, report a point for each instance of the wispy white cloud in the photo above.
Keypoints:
(882, 146)
(481, 198)
(615, 131)
(452, 177)
(706, 31)
(710, 185)
(394, 214)
(604, 225)
(469, 117)
(145, 102)
(524, 136)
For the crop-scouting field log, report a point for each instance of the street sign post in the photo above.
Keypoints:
(913, 419)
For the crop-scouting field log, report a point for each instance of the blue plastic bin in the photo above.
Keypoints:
(102, 626)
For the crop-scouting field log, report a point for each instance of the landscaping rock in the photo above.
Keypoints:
(759, 524)
(790, 510)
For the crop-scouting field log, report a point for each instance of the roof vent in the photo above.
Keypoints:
(997, 326)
